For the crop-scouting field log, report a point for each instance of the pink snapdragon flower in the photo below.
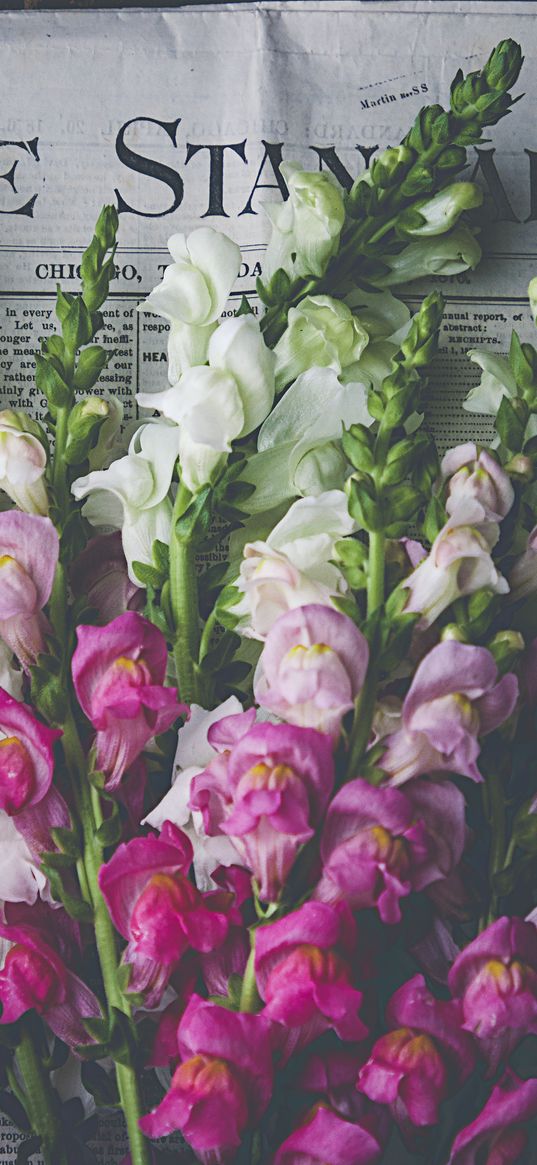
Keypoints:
(379, 844)
(303, 967)
(454, 698)
(422, 1060)
(34, 976)
(523, 575)
(476, 474)
(497, 1135)
(235, 901)
(324, 1135)
(118, 673)
(312, 667)
(268, 793)
(155, 906)
(26, 756)
(29, 548)
(495, 977)
(458, 564)
(223, 1085)
(100, 574)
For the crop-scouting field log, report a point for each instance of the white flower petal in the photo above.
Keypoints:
(238, 347)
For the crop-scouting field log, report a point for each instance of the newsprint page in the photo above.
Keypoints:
(181, 117)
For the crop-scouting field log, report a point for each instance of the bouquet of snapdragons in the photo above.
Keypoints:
(267, 704)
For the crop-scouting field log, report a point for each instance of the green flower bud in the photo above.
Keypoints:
(453, 632)
(506, 647)
(442, 211)
(389, 167)
(84, 422)
(520, 467)
(442, 255)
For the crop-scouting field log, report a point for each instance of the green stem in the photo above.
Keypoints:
(207, 633)
(60, 481)
(250, 1000)
(497, 853)
(40, 1100)
(361, 725)
(184, 604)
(375, 578)
(90, 813)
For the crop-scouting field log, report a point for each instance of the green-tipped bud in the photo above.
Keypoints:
(506, 647)
(106, 227)
(503, 66)
(420, 344)
(520, 467)
(389, 167)
(452, 632)
(85, 420)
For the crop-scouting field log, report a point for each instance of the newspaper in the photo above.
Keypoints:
(182, 116)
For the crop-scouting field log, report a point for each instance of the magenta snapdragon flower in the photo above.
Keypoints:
(156, 907)
(453, 700)
(495, 977)
(497, 1136)
(422, 1059)
(118, 673)
(35, 977)
(223, 1084)
(29, 549)
(379, 844)
(326, 1136)
(26, 755)
(304, 973)
(312, 667)
(267, 793)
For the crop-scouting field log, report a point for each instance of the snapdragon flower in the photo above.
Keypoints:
(23, 461)
(312, 667)
(193, 294)
(299, 444)
(215, 404)
(306, 227)
(455, 698)
(498, 1135)
(140, 483)
(294, 565)
(321, 332)
(29, 549)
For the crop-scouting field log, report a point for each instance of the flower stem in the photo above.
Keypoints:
(375, 579)
(40, 1100)
(496, 814)
(250, 1000)
(91, 817)
(184, 604)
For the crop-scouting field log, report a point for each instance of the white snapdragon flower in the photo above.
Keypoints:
(321, 331)
(23, 461)
(216, 404)
(299, 443)
(305, 228)
(193, 294)
(21, 877)
(294, 565)
(497, 381)
(133, 493)
(192, 756)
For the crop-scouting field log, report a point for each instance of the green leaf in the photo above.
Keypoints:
(160, 553)
(51, 384)
(196, 520)
(245, 308)
(510, 425)
(147, 575)
(109, 833)
(76, 327)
